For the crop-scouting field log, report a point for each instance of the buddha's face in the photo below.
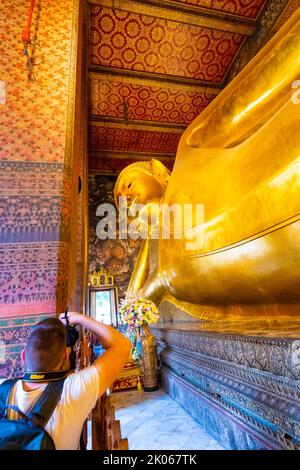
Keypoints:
(140, 188)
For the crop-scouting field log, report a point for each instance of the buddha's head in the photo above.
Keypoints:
(142, 183)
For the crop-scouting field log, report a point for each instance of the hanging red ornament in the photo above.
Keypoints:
(26, 29)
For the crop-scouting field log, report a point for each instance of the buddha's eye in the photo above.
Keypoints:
(129, 185)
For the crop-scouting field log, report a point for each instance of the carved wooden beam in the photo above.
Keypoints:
(137, 124)
(155, 79)
(107, 155)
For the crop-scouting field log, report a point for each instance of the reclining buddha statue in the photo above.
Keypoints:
(240, 161)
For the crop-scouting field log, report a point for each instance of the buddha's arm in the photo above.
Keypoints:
(146, 278)
(253, 96)
(141, 268)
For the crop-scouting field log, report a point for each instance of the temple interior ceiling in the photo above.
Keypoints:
(154, 65)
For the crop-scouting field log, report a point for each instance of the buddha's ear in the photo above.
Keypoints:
(160, 172)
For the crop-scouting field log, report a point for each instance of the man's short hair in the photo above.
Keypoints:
(46, 344)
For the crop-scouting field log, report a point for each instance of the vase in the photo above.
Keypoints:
(148, 359)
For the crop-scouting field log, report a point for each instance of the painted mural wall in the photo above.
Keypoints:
(38, 183)
(115, 256)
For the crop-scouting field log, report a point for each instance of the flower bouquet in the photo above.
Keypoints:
(137, 312)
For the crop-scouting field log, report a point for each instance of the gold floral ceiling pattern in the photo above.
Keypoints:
(138, 42)
(113, 98)
(154, 65)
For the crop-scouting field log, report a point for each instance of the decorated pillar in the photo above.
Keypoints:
(42, 156)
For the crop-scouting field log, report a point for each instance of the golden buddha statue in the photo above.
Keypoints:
(241, 159)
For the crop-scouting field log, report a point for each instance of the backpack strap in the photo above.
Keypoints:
(16, 410)
(5, 389)
(41, 412)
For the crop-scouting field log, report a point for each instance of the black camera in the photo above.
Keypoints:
(72, 333)
(72, 338)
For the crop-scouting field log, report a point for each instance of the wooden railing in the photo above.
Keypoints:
(106, 430)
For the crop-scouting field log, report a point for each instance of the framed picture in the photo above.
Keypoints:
(102, 279)
(94, 280)
(110, 280)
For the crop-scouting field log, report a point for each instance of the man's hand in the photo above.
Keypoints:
(74, 318)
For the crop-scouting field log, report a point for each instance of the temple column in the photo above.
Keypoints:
(42, 155)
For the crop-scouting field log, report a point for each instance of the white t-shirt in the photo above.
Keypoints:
(79, 396)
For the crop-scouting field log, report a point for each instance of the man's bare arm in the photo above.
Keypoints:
(116, 345)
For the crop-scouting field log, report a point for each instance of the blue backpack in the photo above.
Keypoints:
(29, 432)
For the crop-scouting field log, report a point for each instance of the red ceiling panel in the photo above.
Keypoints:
(246, 8)
(113, 98)
(123, 43)
(133, 140)
(137, 42)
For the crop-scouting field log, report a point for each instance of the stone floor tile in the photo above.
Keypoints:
(154, 421)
